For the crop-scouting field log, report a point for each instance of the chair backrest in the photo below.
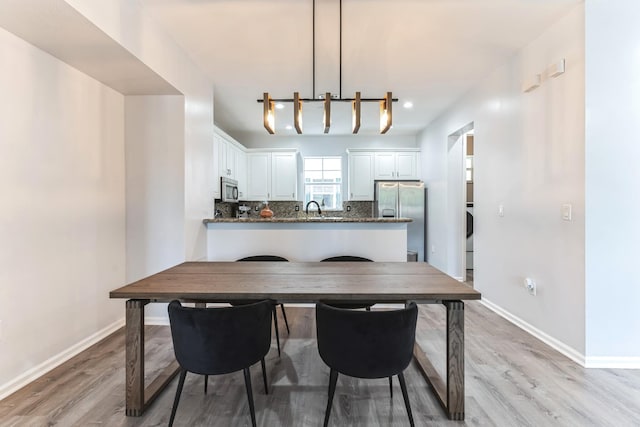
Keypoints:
(366, 344)
(347, 258)
(263, 258)
(211, 341)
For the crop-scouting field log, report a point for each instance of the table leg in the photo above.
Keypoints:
(134, 358)
(450, 391)
(455, 359)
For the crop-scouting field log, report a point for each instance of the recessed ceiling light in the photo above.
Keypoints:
(408, 104)
(289, 127)
(279, 106)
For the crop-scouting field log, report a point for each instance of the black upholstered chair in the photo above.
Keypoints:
(213, 341)
(361, 344)
(275, 317)
(339, 304)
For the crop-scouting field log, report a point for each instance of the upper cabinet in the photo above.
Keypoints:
(272, 175)
(284, 175)
(366, 166)
(361, 176)
(398, 165)
(230, 161)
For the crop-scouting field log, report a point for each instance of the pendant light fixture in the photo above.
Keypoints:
(386, 117)
(326, 118)
(269, 115)
(297, 112)
(355, 114)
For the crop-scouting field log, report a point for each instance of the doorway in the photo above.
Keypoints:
(459, 196)
(469, 223)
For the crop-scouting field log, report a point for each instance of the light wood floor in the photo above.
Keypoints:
(512, 379)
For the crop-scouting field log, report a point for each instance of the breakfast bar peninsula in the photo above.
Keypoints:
(307, 239)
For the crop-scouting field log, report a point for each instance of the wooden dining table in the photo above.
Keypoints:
(299, 282)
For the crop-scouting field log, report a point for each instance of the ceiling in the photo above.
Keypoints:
(57, 28)
(429, 52)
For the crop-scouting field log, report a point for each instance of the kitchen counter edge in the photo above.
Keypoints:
(303, 220)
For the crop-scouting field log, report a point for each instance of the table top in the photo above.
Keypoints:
(391, 282)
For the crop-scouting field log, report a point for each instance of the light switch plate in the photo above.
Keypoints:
(566, 212)
(500, 210)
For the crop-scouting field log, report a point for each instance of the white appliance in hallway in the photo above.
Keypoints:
(403, 199)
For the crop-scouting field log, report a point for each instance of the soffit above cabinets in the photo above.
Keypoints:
(58, 29)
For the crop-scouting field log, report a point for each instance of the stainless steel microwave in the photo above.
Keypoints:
(228, 190)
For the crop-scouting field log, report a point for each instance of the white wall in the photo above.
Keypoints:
(128, 25)
(528, 156)
(154, 152)
(612, 177)
(62, 212)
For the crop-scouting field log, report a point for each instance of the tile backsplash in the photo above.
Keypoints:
(350, 209)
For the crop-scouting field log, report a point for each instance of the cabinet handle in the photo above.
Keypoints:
(293, 195)
(352, 195)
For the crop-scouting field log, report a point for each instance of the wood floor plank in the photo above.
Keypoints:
(512, 379)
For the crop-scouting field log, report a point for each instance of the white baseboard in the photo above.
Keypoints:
(561, 347)
(157, 320)
(57, 360)
(613, 362)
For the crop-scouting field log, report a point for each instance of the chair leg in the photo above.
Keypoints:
(183, 375)
(333, 380)
(275, 324)
(206, 383)
(391, 386)
(284, 315)
(247, 383)
(403, 386)
(264, 376)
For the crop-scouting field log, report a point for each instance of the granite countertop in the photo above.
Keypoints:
(305, 220)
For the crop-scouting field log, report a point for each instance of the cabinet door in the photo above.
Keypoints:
(258, 176)
(222, 157)
(284, 176)
(385, 166)
(216, 167)
(361, 176)
(232, 158)
(406, 165)
(241, 173)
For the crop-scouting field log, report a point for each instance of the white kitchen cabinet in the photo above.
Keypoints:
(229, 162)
(399, 165)
(385, 165)
(258, 176)
(361, 176)
(284, 176)
(241, 174)
(272, 176)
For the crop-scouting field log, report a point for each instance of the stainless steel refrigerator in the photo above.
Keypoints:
(404, 199)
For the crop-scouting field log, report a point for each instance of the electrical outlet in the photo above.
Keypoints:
(530, 285)
(348, 208)
(255, 208)
(297, 208)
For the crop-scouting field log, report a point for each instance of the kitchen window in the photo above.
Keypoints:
(323, 182)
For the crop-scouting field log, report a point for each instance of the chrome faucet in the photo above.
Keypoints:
(307, 207)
